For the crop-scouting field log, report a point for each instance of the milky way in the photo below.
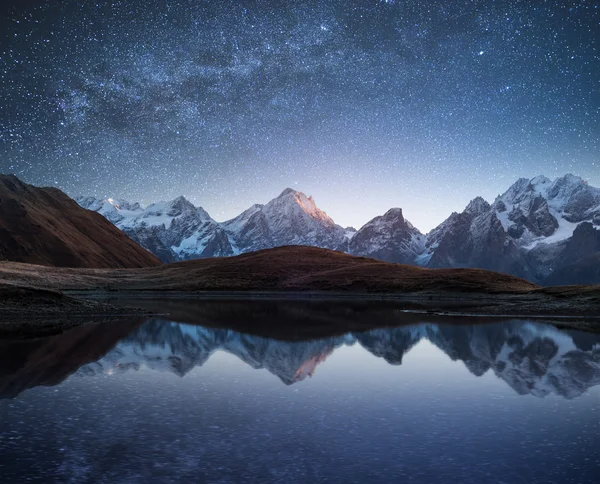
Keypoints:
(365, 105)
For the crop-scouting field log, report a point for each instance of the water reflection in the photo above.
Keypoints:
(158, 401)
(532, 358)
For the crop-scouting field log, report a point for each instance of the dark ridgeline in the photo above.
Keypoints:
(44, 226)
(290, 268)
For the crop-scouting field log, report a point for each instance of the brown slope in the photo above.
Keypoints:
(294, 268)
(300, 268)
(44, 226)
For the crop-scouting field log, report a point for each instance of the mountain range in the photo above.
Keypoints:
(177, 230)
(543, 230)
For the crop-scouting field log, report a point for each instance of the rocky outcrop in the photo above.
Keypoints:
(534, 216)
(475, 238)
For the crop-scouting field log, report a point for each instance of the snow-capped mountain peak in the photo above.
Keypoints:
(477, 205)
(286, 192)
(173, 230)
(292, 218)
(290, 200)
(524, 232)
(541, 210)
(167, 212)
(540, 180)
(389, 237)
(180, 205)
(392, 214)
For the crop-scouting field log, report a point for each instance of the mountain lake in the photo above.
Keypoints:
(154, 400)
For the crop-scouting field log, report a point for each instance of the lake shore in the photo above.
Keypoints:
(32, 292)
(34, 312)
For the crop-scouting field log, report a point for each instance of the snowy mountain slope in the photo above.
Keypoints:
(525, 232)
(290, 219)
(112, 209)
(541, 210)
(175, 230)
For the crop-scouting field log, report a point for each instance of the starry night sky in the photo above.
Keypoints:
(365, 105)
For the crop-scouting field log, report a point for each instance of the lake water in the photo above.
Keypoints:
(160, 401)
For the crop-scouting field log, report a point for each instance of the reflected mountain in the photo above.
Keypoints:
(178, 348)
(532, 358)
(48, 361)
